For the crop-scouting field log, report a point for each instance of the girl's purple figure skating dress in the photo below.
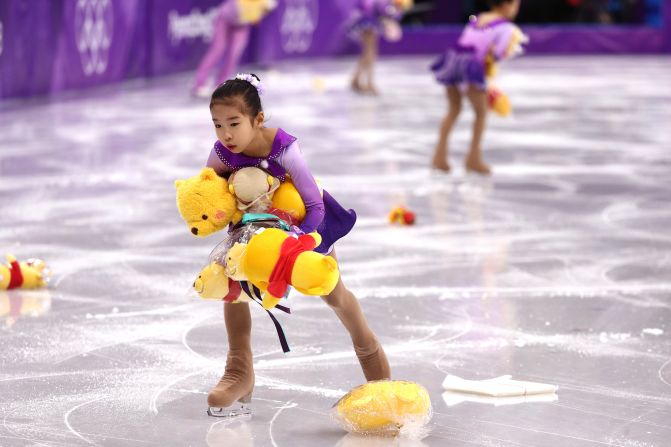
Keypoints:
(371, 14)
(324, 215)
(479, 46)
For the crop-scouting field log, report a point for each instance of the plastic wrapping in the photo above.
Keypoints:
(219, 279)
(385, 407)
(29, 274)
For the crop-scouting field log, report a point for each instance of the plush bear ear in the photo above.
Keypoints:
(178, 183)
(208, 174)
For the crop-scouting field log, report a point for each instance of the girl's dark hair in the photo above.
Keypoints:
(236, 91)
(493, 3)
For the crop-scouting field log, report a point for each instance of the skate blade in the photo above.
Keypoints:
(233, 411)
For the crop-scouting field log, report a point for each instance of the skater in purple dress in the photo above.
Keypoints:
(232, 26)
(370, 19)
(243, 141)
(464, 69)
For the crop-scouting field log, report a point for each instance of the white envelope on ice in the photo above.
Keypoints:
(503, 386)
(453, 398)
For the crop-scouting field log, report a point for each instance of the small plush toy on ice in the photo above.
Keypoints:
(31, 274)
(385, 407)
(401, 215)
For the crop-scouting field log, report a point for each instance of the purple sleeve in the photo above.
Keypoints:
(215, 163)
(502, 40)
(293, 162)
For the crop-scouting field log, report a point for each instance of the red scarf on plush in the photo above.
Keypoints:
(280, 278)
(15, 275)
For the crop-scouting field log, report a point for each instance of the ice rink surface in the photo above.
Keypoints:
(557, 269)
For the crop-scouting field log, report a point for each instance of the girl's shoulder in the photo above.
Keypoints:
(487, 20)
(281, 141)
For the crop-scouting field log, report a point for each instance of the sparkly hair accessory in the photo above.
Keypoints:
(252, 80)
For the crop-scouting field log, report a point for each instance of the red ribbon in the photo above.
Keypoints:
(280, 278)
(15, 275)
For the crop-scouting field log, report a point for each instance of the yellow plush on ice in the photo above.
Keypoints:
(384, 407)
(30, 274)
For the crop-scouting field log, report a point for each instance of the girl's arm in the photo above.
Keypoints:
(215, 163)
(508, 41)
(293, 162)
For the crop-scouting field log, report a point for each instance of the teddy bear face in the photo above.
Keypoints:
(212, 282)
(253, 189)
(205, 203)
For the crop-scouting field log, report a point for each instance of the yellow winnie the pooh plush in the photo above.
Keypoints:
(25, 275)
(384, 407)
(274, 260)
(205, 203)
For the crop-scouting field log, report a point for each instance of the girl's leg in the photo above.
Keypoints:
(370, 42)
(440, 155)
(237, 382)
(213, 55)
(358, 72)
(238, 37)
(366, 346)
(474, 162)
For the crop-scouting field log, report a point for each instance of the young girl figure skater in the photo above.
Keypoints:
(243, 141)
(464, 69)
(232, 26)
(370, 19)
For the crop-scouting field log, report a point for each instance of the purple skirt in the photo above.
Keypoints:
(460, 66)
(337, 223)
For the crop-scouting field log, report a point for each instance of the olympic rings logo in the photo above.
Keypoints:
(94, 27)
(299, 22)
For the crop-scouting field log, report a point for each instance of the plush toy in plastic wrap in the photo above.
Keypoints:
(31, 274)
(209, 203)
(385, 407)
(401, 215)
(205, 203)
(253, 189)
(272, 260)
(257, 191)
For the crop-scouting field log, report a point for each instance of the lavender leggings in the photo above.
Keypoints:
(228, 43)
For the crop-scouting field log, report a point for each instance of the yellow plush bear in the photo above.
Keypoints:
(234, 267)
(214, 284)
(384, 407)
(25, 275)
(274, 260)
(205, 203)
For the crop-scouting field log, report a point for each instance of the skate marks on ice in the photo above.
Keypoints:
(554, 270)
